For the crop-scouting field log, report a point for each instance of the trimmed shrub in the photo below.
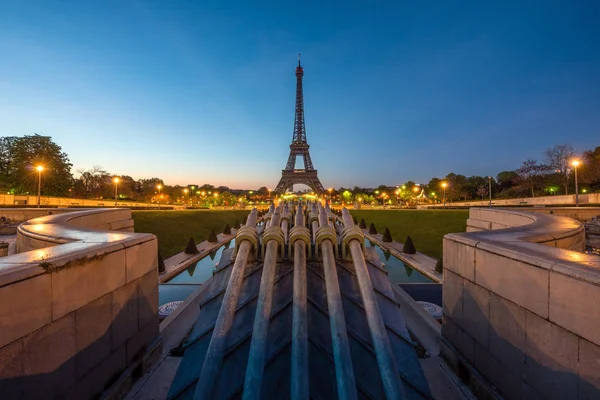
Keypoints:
(354, 220)
(227, 230)
(372, 229)
(212, 238)
(387, 236)
(191, 247)
(409, 247)
(236, 225)
(362, 224)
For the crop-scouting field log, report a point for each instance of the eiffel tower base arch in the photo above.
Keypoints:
(298, 177)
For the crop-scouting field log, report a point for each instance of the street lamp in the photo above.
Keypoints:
(490, 189)
(444, 185)
(39, 169)
(575, 164)
(185, 192)
(159, 196)
(116, 181)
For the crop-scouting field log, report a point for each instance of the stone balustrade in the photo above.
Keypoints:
(519, 304)
(78, 304)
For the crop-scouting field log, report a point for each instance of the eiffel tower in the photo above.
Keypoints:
(291, 176)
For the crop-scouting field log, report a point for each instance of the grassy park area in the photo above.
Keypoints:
(174, 228)
(425, 227)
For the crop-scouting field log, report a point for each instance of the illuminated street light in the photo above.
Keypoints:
(444, 184)
(39, 169)
(185, 192)
(116, 181)
(575, 164)
(159, 196)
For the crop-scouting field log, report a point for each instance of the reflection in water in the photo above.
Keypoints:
(398, 272)
(184, 284)
(387, 255)
(203, 269)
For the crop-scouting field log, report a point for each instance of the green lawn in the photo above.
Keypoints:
(174, 228)
(425, 227)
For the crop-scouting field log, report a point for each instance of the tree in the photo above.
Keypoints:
(20, 155)
(92, 182)
(558, 158)
(530, 172)
(482, 191)
(590, 168)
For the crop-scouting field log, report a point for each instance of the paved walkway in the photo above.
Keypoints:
(418, 261)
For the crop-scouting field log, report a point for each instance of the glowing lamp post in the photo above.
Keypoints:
(490, 189)
(185, 192)
(39, 169)
(159, 196)
(444, 185)
(575, 164)
(116, 181)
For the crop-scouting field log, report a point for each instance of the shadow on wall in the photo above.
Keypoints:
(83, 353)
(522, 354)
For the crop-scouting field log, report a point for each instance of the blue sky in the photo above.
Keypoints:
(203, 92)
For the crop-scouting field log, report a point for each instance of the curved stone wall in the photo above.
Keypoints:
(79, 303)
(519, 300)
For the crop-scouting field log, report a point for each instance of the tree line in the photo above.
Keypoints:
(553, 175)
(19, 156)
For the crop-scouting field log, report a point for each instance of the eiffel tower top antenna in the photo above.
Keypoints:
(298, 59)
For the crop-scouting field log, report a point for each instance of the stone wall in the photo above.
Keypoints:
(584, 199)
(75, 315)
(11, 200)
(519, 305)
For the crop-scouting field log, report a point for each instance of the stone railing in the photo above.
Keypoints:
(566, 199)
(78, 304)
(520, 304)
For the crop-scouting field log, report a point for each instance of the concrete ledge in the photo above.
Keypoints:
(519, 302)
(77, 308)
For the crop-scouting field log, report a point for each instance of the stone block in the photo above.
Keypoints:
(120, 225)
(497, 373)
(589, 370)
(571, 306)
(141, 259)
(476, 313)
(26, 306)
(507, 333)
(148, 298)
(99, 378)
(575, 242)
(459, 339)
(139, 343)
(551, 363)
(124, 313)
(93, 333)
(452, 296)
(521, 283)
(11, 369)
(69, 290)
(49, 359)
(105, 274)
(460, 259)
